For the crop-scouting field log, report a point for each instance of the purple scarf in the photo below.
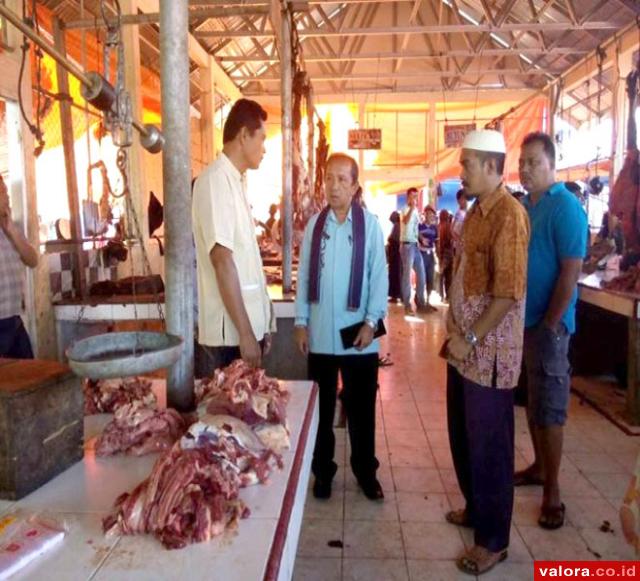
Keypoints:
(357, 257)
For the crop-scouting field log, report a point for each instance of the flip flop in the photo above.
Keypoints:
(471, 566)
(525, 478)
(458, 518)
(552, 517)
(385, 362)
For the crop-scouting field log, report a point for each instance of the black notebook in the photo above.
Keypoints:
(350, 333)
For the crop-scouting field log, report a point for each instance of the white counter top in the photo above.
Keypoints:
(263, 547)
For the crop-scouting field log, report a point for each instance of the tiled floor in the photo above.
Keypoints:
(406, 537)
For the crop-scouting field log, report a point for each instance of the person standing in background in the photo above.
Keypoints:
(15, 253)
(427, 241)
(445, 253)
(411, 258)
(394, 260)
(458, 219)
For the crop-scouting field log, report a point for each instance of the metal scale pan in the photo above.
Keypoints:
(114, 355)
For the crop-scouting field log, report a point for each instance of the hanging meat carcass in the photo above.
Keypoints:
(625, 195)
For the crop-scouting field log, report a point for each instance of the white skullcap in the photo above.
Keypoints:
(485, 140)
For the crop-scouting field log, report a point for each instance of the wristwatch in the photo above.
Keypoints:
(372, 324)
(471, 338)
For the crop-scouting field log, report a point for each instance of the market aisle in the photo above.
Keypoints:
(406, 537)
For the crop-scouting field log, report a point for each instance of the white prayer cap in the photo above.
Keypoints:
(485, 140)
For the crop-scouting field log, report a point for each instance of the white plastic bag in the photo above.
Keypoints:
(24, 537)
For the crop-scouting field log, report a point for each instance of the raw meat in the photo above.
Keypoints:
(245, 393)
(105, 396)
(191, 495)
(628, 282)
(138, 430)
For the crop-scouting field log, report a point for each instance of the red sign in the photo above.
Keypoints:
(454, 134)
(365, 138)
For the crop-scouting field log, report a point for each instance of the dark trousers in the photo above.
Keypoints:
(360, 383)
(208, 359)
(481, 435)
(14, 339)
(429, 260)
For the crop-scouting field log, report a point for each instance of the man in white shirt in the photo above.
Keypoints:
(235, 314)
(458, 219)
(410, 254)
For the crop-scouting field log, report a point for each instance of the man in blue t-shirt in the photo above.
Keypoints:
(556, 251)
(427, 240)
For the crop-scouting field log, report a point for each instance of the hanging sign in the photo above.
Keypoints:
(454, 134)
(365, 138)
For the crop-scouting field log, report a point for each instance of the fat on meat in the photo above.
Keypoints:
(137, 430)
(106, 396)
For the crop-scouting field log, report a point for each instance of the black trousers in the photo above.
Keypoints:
(481, 435)
(14, 339)
(208, 359)
(360, 383)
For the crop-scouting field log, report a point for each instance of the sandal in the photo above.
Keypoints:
(459, 518)
(526, 478)
(470, 564)
(552, 517)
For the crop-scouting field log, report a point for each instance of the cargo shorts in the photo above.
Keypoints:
(546, 358)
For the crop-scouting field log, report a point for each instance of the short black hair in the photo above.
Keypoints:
(412, 191)
(573, 187)
(244, 113)
(547, 144)
(355, 172)
(499, 158)
(459, 194)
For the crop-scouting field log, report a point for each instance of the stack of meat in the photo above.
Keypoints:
(140, 430)
(192, 493)
(249, 395)
(105, 396)
(628, 281)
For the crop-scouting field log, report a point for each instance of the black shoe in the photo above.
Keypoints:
(372, 490)
(322, 489)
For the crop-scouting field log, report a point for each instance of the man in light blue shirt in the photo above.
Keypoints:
(342, 281)
(410, 254)
(556, 249)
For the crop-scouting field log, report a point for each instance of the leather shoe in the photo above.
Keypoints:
(322, 489)
(372, 490)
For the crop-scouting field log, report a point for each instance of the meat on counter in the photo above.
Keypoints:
(106, 396)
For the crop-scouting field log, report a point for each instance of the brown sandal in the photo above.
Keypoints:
(459, 518)
(552, 517)
(471, 565)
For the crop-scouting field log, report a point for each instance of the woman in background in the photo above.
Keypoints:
(393, 259)
(445, 250)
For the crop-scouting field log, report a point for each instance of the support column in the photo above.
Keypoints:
(432, 146)
(176, 164)
(311, 161)
(554, 94)
(66, 128)
(362, 123)
(287, 151)
(208, 114)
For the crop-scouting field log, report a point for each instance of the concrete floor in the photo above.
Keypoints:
(406, 537)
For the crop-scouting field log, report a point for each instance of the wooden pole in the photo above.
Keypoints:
(66, 128)
(287, 152)
(311, 160)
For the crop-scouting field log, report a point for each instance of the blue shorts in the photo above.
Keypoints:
(546, 358)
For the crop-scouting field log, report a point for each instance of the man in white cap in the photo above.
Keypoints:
(484, 349)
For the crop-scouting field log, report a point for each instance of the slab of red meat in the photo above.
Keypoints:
(189, 497)
(191, 494)
(138, 430)
(105, 396)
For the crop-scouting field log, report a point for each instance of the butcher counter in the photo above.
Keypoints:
(607, 343)
(262, 548)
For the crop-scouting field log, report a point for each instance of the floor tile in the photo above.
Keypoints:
(422, 507)
(359, 507)
(310, 569)
(510, 571)
(411, 438)
(431, 541)
(608, 545)
(449, 480)
(611, 486)
(411, 457)
(315, 535)
(595, 463)
(383, 475)
(417, 479)
(590, 512)
(422, 570)
(438, 438)
(558, 545)
(374, 540)
(330, 508)
(375, 570)
(443, 458)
